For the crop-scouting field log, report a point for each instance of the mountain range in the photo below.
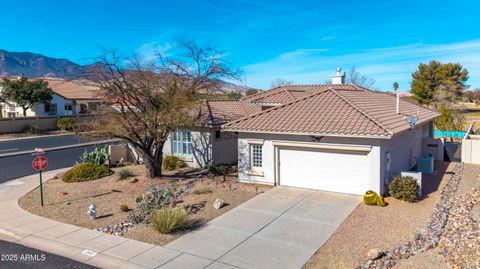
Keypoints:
(34, 65)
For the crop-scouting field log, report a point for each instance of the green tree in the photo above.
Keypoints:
(434, 76)
(451, 119)
(151, 99)
(251, 91)
(25, 93)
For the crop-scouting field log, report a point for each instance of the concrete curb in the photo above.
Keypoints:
(33, 137)
(27, 152)
(81, 244)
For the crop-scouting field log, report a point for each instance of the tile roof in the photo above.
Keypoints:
(72, 90)
(340, 110)
(218, 112)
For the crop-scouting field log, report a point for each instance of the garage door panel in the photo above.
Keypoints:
(346, 172)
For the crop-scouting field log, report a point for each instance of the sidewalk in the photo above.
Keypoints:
(81, 244)
(281, 228)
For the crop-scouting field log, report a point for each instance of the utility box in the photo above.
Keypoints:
(425, 164)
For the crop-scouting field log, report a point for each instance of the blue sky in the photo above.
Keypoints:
(301, 41)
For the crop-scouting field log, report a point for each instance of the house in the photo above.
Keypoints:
(69, 98)
(338, 137)
(208, 141)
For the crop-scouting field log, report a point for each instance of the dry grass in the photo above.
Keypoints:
(67, 202)
(370, 227)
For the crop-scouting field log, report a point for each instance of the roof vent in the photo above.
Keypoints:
(338, 78)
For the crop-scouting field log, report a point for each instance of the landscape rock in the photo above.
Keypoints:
(117, 229)
(135, 180)
(219, 203)
(430, 236)
(195, 208)
(374, 253)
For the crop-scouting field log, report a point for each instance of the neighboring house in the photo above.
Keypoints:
(338, 137)
(69, 98)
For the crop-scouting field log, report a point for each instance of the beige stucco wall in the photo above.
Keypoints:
(269, 162)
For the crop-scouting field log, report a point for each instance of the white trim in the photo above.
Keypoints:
(255, 141)
(327, 146)
(309, 134)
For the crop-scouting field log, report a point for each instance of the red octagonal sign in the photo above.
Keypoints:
(40, 163)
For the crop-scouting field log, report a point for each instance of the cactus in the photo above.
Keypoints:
(97, 156)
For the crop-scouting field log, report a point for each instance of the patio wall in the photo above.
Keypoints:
(471, 150)
(45, 123)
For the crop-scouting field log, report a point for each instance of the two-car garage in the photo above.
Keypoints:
(337, 168)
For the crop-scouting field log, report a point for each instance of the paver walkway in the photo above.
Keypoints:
(281, 228)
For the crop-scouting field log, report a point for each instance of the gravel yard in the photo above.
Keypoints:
(375, 227)
(67, 202)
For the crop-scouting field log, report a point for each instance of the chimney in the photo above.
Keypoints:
(338, 78)
(397, 96)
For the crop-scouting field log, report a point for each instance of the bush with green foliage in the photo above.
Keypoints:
(66, 124)
(403, 188)
(218, 169)
(97, 156)
(172, 162)
(167, 220)
(156, 197)
(86, 172)
(125, 173)
(31, 130)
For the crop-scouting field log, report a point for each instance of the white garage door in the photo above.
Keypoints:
(346, 172)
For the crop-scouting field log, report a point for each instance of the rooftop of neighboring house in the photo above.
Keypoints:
(72, 90)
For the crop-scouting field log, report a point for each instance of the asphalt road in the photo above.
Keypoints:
(15, 256)
(41, 142)
(21, 165)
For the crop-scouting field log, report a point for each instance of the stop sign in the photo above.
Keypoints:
(40, 163)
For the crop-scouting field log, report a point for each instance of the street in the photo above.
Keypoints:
(15, 256)
(12, 167)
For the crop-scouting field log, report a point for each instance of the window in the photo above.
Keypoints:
(218, 134)
(68, 109)
(182, 143)
(256, 155)
(50, 108)
(83, 108)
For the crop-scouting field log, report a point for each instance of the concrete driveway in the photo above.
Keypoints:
(281, 228)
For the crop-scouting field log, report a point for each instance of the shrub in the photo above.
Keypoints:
(125, 173)
(403, 188)
(156, 197)
(172, 163)
(167, 220)
(31, 129)
(66, 124)
(124, 208)
(218, 170)
(201, 191)
(85, 172)
(97, 156)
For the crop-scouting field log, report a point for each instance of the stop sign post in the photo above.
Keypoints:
(39, 163)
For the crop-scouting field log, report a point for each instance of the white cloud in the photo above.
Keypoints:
(385, 65)
(150, 49)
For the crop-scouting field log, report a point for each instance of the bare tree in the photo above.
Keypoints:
(147, 100)
(354, 77)
(280, 82)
